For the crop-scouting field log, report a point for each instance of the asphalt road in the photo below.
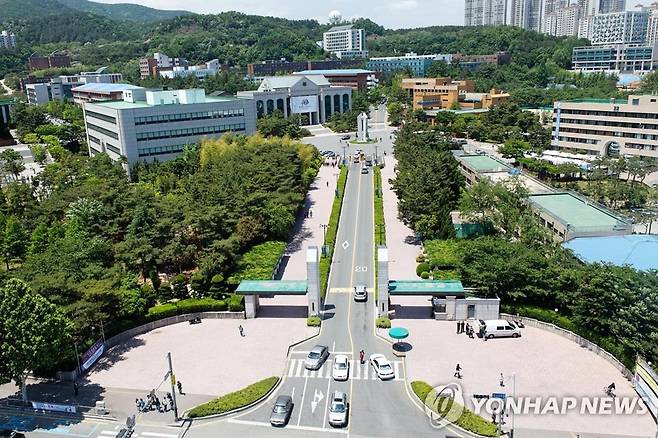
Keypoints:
(377, 408)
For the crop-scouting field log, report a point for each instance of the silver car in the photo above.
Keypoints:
(281, 411)
(338, 409)
(316, 357)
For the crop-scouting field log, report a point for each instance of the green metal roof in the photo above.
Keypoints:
(272, 287)
(579, 214)
(426, 287)
(484, 163)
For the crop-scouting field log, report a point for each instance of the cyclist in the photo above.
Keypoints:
(362, 355)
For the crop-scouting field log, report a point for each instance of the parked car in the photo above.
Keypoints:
(341, 368)
(345, 137)
(316, 357)
(499, 328)
(364, 170)
(360, 292)
(338, 409)
(369, 161)
(383, 368)
(281, 411)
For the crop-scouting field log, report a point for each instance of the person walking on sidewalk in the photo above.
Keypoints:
(458, 372)
(179, 385)
(76, 390)
(241, 329)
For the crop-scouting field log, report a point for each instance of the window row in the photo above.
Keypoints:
(186, 132)
(610, 123)
(202, 115)
(610, 133)
(635, 115)
(104, 131)
(113, 148)
(103, 117)
(160, 150)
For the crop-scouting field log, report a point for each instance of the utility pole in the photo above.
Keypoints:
(376, 154)
(172, 379)
(345, 153)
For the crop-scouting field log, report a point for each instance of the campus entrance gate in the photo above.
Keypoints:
(252, 289)
(450, 301)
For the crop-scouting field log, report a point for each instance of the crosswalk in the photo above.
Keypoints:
(341, 290)
(113, 434)
(358, 371)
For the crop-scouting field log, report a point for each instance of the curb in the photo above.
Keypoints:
(236, 410)
(291, 346)
(340, 213)
(55, 414)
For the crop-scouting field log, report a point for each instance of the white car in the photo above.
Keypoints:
(382, 367)
(341, 368)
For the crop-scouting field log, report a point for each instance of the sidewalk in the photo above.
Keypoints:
(403, 248)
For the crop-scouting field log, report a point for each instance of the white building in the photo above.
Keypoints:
(152, 124)
(485, 12)
(563, 21)
(311, 96)
(652, 26)
(527, 14)
(628, 27)
(345, 42)
(7, 40)
(210, 68)
(61, 88)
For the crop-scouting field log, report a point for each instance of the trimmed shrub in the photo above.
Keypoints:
(420, 258)
(235, 400)
(468, 420)
(422, 267)
(425, 275)
(383, 322)
(198, 282)
(236, 303)
(201, 305)
(313, 321)
(179, 286)
(162, 311)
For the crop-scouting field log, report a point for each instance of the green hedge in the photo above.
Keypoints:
(313, 321)
(236, 303)
(380, 224)
(422, 267)
(191, 305)
(258, 263)
(468, 420)
(443, 254)
(235, 400)
(383, 322)
(332, 231)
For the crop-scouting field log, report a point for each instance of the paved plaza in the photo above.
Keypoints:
(210, 358)
(545, 364)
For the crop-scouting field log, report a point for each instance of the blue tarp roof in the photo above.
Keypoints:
(640, 251)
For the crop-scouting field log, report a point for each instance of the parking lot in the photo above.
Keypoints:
(539, 364)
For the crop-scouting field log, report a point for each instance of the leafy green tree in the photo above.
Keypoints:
(11, 162)
(34, 333)
(13, 241)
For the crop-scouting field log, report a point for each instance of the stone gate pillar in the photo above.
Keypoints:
(313, 280)
(382, 281)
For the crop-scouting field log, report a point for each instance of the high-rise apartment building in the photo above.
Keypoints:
(485, 13)
(607, 6)
(652, 26)
(527, 14)
(345, 42)
(7, 40)
(563, 21)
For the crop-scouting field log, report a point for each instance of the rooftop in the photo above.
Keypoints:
(336, 72)
(121, 104)
(339, 28)
(426, 287)
(105, 88)
(636, 250)
(483, 163)
(577, 213)
(271, 287)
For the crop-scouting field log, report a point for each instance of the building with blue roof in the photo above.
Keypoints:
(639, 251)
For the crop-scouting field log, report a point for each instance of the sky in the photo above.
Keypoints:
(392, 14)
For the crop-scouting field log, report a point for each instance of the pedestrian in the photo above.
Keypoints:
(362, 355)
(502, 381)
(310, 213)
(461, 327)
(139, 407)
(142, 404)
(241, 329)
(179, 385)
(76, 390)
(327, 183)
(458, 372)
(458, 326)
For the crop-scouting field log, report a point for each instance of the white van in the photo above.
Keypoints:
(500, 328)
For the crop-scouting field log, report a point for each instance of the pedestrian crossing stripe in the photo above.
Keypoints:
(358, 371)
(341, 290)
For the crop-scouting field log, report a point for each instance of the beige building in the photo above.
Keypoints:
(446, 93)
(608, 127)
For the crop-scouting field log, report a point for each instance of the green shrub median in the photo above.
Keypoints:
(467, 420)
(380, 225)
(332, 230)
(235, 400)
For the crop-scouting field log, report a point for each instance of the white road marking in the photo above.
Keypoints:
(301, 405)
(317, 398)
(357, 371)
(290, 426)
(326, 406)
(159, 435)
(108, 432)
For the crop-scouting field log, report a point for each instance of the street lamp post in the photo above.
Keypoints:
(324, 239)
(376, 154)
(345, 153)
(172, 379)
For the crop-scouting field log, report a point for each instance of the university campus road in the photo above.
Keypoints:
(377, 408)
